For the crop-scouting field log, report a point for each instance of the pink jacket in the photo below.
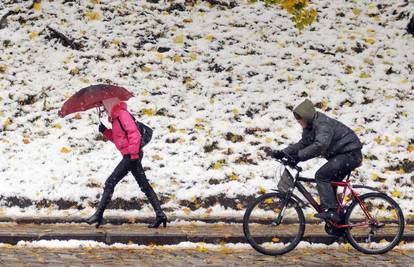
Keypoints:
(129, 143)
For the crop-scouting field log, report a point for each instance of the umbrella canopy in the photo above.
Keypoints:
(92, 96)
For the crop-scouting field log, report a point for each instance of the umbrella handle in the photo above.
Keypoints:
(99, 114)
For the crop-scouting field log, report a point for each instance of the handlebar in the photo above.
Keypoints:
(287, 162)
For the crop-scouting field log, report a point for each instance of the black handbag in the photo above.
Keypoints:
(144, 130)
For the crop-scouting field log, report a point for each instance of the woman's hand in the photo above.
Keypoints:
(102, 128)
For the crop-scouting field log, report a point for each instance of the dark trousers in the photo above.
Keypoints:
(121, 170)
(335, 170)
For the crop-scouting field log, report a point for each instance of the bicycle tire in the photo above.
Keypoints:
(267, 243)
(389, 214)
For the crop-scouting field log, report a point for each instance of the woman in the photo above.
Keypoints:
(127, 139)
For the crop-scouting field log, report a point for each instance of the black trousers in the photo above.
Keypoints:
(121, 170)
(335, 170)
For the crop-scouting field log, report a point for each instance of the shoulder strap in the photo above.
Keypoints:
(120, 124)
(122, 127)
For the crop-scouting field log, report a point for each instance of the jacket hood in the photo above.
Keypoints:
(117, 108)
(306, 111)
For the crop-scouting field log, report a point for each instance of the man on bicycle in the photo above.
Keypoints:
(329, 138)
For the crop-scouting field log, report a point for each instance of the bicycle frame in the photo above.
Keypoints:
(347, 190)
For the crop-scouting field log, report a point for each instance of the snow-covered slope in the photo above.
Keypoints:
(215, 83)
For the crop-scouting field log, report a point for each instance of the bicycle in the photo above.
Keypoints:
(274, 223)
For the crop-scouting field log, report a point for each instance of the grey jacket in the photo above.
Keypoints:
(324, 137)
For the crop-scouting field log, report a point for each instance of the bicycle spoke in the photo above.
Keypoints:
(273, 227)
(377, 223)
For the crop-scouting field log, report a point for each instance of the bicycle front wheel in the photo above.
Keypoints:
(376, 223)
(272, 225)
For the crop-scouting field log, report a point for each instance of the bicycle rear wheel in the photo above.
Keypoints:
(381, 232)
(272, 226)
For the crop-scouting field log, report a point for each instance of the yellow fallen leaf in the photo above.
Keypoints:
(148, 111)
(177, 58)
(199, 127)
(92, 15)
(356, 11)
(239, 206)
(188, 80)
(193, 56)
(85, 80)
(65, 150)
(159, 56)
(374, 177)
(201, 249)
(349, 69)
(234, 177)
(37, 6)
(116, 41)
(364, 75)
(7, 122)
(26, 141)
(396, 194)
(187, 211)
(262, 190)
(74, 71)
(179, 39)
(275, 240)
(348, 246)
(33, 35)
(187, 20)
(410, 148)
(235, 111)
(77, 116)
(157, 157)
(67, 59)
(210, 38)
(269, 201)
(145, 68)
(371, 41)
(217, 165)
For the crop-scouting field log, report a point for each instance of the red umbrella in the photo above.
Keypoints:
(92, 96)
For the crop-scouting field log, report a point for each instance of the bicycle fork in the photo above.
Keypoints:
(282, 212)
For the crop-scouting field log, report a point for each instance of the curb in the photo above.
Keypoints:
(160, 239)
(116, 220)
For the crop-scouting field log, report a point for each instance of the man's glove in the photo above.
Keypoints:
(278, 154)
(102, 128)
(292, 160)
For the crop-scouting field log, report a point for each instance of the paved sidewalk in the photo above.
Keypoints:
(158, 256)
(175, 233)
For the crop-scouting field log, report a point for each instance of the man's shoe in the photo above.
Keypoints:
(328, 215)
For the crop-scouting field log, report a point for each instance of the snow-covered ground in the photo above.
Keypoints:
(200, 247)
(216, 98)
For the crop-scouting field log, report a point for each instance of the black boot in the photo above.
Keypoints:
(158, 221)
(98, 215)
(330, 214)
(95, 218)
(161, 218)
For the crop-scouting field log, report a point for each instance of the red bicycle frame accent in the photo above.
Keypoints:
(354, 195)
(339, 198)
